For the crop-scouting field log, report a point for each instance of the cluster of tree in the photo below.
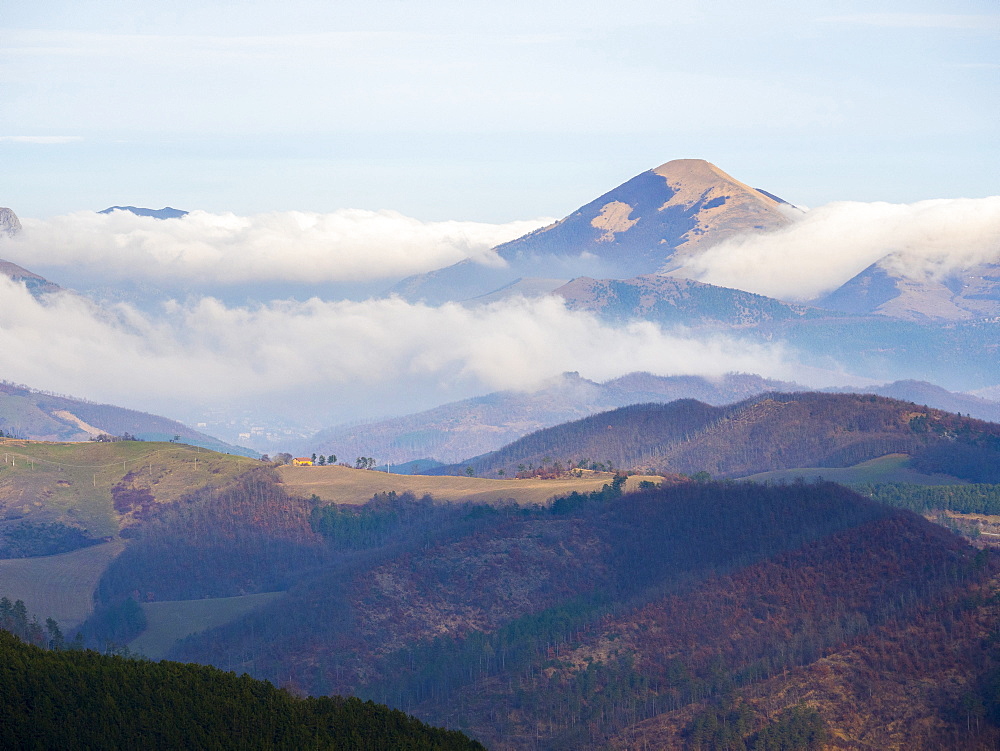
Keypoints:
(14, 620)
(386, 517)
(248, 536)
(107, 438)
(975, 498)
(117, 702)
(735, 727)
(30, 539)
(364, 462)
(323, 460)
(548, 468)
(971, 457)
(112, 626)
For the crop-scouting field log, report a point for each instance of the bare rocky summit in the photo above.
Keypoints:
(9, 223)
(651, 224)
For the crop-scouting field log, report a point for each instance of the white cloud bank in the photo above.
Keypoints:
(339, 360)
(833, 243)
(348, 245)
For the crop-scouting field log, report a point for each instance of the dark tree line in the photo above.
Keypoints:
(30, 539)
(116, 702)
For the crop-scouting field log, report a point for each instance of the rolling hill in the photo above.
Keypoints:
(344, 485)
(599, 618)
(453, 432)
(66, 507)
(603, 618)
(67, 511)
(768, 432)
(37, 415)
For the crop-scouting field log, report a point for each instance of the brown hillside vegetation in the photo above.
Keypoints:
(338, 484)
(762, 434)
(927, 682)
(594, 618)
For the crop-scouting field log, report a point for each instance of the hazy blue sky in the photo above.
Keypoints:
(459, 109)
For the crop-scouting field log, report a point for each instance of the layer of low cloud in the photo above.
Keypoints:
(340, 360)
(833, 243)
(221, 249)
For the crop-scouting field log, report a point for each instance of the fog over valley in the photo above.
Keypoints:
(286, 318)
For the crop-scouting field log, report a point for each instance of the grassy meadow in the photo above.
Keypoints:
(173, 620)
(889, 468)
(356, 486)
(72, 482)
(58, 586)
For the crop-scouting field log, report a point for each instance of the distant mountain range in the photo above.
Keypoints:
(967, 294)
(35, 284)
(772, 431)
(657, 221)
(623, 257)
(459, 430)
(672, 300)
(165, 213)
(35, 415)
(868, 345)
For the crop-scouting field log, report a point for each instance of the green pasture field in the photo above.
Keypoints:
(71, 482)
(58, 586)
(888, 468)
(170, 621)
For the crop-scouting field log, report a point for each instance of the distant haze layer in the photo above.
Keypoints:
(342, 360)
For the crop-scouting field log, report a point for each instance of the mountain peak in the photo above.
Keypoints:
(9, 223)
(725, 206)
(165, 213)
(650, 224)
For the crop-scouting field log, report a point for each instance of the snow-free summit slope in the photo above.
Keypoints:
(649, 224)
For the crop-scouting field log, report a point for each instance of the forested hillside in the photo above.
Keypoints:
(83, 700)
(572, 625)
(769, 432)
